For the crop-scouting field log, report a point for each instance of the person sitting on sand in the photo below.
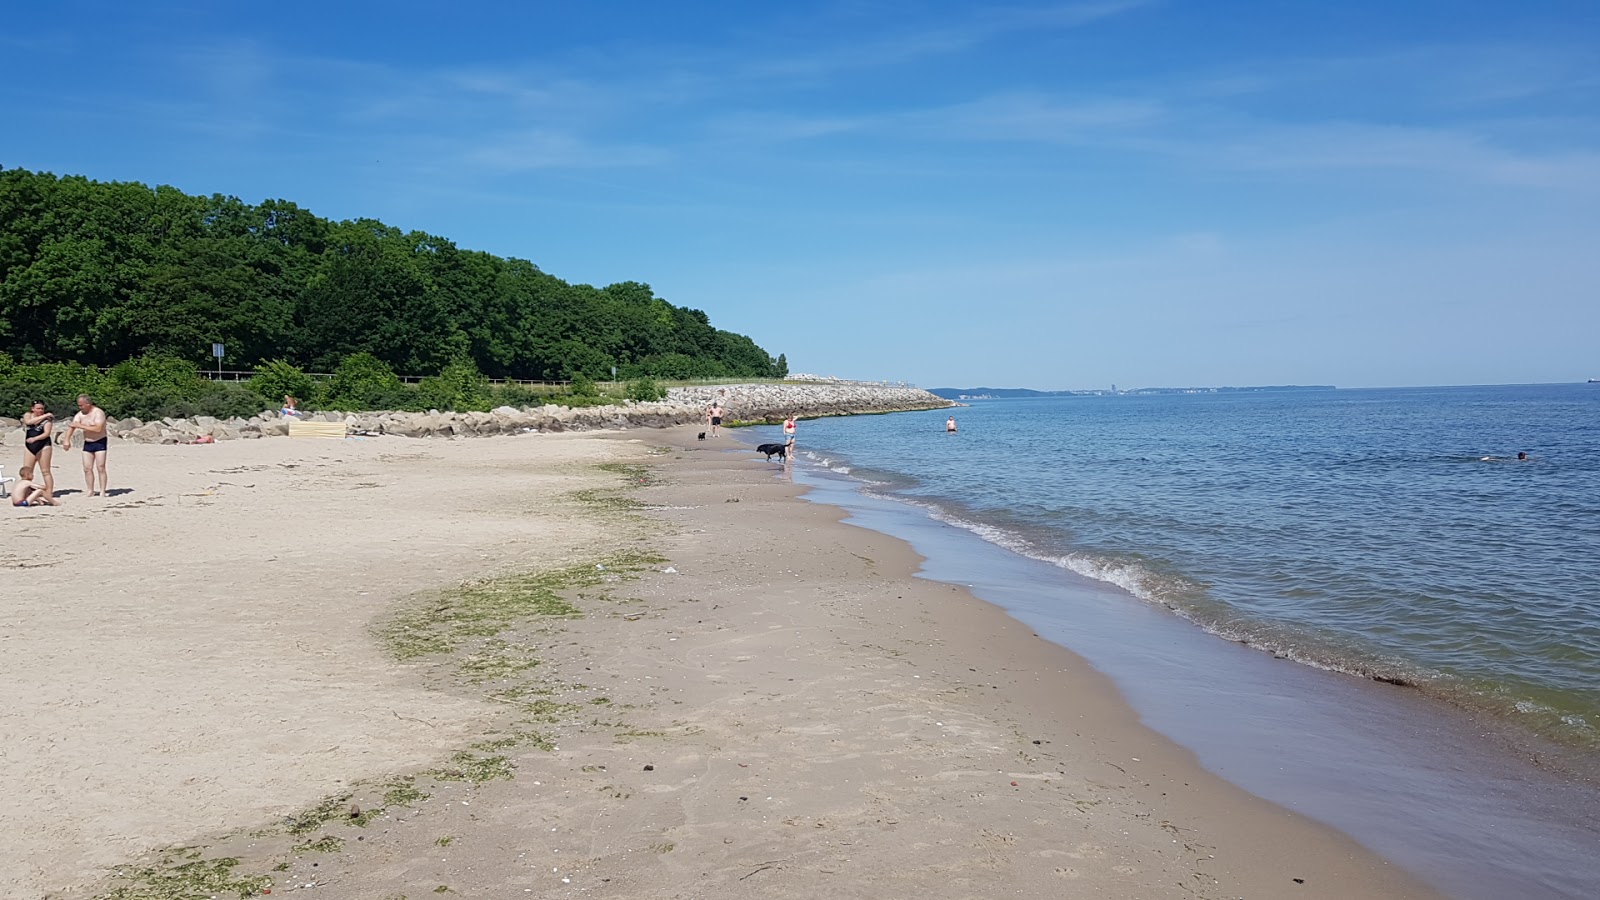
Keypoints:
(36, 448)
(91, 420)
(950, 425)
(26, 493)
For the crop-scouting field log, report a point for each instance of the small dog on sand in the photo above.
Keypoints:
(701, 437)
(781, 451)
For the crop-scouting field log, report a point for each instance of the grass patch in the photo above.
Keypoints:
(184, 877)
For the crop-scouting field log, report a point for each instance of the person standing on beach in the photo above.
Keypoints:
(950, 425)
(714, 414)
(36, 446)
(788, 436)
(91, 420)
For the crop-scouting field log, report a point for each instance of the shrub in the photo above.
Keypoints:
(216, 400)
(56, 385)
(277, 378)
(365, 382)
(459, 386)
(582, 386)
(645, 390)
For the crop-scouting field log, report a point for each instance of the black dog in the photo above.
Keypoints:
(701, 437)
(781, 451)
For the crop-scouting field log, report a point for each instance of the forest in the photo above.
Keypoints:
(96, 274)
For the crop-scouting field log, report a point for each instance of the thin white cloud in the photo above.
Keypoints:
(538, 149)
(915, 44)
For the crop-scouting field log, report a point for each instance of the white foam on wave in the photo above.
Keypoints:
(1131, 577)
(1144, 584)
(1154, 587)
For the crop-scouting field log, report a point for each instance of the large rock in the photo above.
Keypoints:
(747, 402)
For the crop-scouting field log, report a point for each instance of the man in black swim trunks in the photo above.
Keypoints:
(91, 420)
(715, 415)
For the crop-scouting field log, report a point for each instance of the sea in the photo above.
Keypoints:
(1358, 603)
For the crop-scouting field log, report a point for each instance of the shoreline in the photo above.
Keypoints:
(1421, 781)
(789, 707)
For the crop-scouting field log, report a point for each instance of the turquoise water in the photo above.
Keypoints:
(1384, 533)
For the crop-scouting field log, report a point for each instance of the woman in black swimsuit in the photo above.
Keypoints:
(36, 450)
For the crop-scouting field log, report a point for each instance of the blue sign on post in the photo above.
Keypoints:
(216, 350)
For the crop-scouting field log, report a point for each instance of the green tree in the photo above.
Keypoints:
(100, 272)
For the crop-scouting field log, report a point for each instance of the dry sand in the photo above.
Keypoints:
(787, 714)
(194, 654)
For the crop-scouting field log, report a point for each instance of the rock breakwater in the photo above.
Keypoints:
(743, 403)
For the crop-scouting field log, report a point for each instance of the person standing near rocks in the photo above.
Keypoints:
(36, 446)
(714, 415)
(91, 420)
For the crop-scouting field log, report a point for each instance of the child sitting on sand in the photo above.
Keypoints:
(26, 493)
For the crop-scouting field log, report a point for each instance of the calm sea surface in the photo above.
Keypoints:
(1389, 533)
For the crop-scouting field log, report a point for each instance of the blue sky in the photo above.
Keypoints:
(1055, 195)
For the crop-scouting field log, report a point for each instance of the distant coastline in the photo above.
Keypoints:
(988, 393)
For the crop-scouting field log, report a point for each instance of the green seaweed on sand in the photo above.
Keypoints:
(332, 807)
(637, 475)
(402, 790)
(615, 499)
(325, 844)
(478, 611)
(476, 768)
(185, 876)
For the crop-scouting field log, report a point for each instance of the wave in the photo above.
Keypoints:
(1187, 598)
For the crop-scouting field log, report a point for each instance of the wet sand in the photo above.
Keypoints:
(789, 712)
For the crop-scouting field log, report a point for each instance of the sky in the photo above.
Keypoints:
(1050, 195)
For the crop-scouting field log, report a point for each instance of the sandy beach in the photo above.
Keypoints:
(746, 698)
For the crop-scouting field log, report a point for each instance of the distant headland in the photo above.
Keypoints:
(988, 393)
